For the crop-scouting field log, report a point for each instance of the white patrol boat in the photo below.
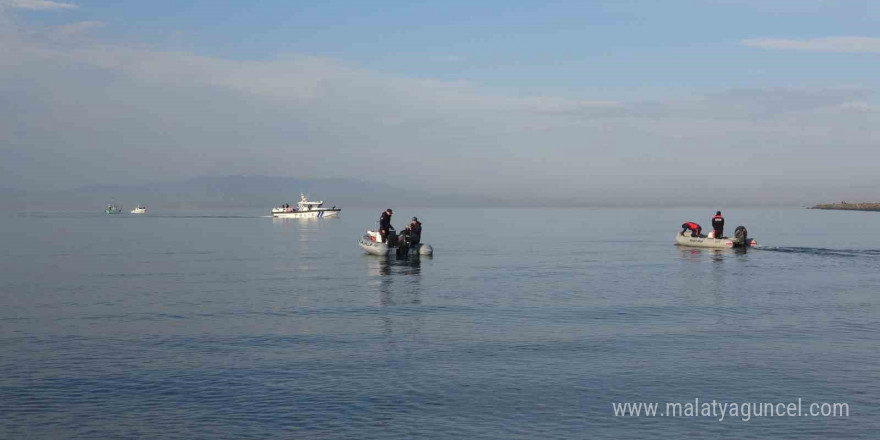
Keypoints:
(371, 242)
(740, 240)
(305, 209)
(140, 209)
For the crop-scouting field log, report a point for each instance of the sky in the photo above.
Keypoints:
(618, 102)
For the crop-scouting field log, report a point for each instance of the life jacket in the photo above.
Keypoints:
(692, 225)
(717, 216)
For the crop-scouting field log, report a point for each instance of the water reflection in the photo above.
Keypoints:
(306, 230)
(398, 278)
(708, 266)
(299, 243)
(691, 254)
(695, 255)
(393, 264)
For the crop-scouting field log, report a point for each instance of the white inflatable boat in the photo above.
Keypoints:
(740, 240)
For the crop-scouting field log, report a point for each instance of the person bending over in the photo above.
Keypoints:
(693, 227)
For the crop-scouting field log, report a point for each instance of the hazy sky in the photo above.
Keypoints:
(641, 101)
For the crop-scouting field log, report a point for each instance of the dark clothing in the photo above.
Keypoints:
(693, 227)
(385, 221)
(415, 232)
(384, 225)
(718, 225)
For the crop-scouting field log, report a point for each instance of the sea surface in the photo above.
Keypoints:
(525, 324)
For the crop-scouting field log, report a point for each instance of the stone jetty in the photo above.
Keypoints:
(849, 206)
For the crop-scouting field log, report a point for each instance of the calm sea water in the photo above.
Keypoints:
(525, 324)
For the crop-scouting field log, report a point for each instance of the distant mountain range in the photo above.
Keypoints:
(242, 191)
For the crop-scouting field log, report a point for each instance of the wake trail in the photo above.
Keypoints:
(822, 251)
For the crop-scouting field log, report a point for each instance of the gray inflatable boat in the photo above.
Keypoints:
(371, 242)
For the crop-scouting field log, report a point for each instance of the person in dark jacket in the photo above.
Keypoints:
(385, 224)
(718, 224)
(693, 227)
(414, 231)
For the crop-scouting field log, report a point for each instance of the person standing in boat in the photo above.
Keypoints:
(385, 224)
(718, 225)
(693, 227)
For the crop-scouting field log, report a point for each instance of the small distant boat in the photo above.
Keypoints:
(740, 240)
(140, 209)
(113, 208)
(371, 242)
(305, 209)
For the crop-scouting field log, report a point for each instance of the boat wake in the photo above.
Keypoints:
(823, 251)
(204, 216)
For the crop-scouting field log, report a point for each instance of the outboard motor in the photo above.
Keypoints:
(742, 235)
(392, 237)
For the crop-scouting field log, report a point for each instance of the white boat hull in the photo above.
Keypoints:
(713, 243)
(375, 247)
(305, 209)
(139, 211)
(317, 213)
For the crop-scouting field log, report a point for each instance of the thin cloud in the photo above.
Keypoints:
(827, 44)
(448, 58)
(38, 5)
(77, 28)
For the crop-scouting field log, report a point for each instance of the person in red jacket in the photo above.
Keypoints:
(693, 227)
(718, 224)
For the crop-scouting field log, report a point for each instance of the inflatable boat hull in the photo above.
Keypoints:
(714, 243)
(379, 248)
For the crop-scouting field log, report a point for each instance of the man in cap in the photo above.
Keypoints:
(385, 224)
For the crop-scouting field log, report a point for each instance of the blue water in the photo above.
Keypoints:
(525, 324)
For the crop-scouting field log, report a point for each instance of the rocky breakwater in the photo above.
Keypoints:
(850, 206)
